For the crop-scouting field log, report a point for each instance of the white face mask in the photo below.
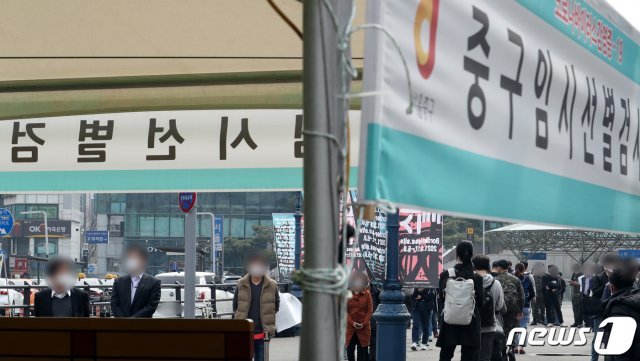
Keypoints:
(357, 285)
(133, 265)
(66, 280)
(256, 270)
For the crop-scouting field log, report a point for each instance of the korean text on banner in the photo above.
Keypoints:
(523, 110)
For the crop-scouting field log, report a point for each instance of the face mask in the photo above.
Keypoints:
(256, 270)
(133, 265)
(357, 285)
(66, 280)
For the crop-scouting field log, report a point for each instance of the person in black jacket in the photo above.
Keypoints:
(466, 336)
(598, 284)
(551, 287)
(624, 302)
(421, 316)
(137, 294)
(61, 299)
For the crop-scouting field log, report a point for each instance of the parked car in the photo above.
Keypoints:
(95, 294)
(231, 279)
(9, 297)
(167, 308)
(24, 282)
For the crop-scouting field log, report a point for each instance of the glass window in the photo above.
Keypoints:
(237, 227)
(222, 203)
(162, 226)
(285, 202)
(204, 225)
(146, 226)
(253, 203)
(167, 203)
(102, 200)
(266, 221)
(237, 203)
(267, 202)
(132, 225)
(176, 226)
(248, 229)
(115, 225)
(225, 227)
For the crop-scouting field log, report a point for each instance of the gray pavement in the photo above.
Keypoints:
(286, 349)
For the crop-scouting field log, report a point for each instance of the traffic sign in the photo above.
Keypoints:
(6, 222)
(91, 268)
(96, 237)
(187, 200)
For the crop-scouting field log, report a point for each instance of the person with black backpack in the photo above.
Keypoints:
(463, 296)
(529, 294)
(493, 304)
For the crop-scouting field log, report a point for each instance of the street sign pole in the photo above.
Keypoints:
(188, 205)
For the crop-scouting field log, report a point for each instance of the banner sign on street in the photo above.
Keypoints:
(254, 149)
(218, 236)
(372, 242)
(96, 237)
(35, 228)
(6, 222)
(523, 110)
(284, 229)
(420, 242)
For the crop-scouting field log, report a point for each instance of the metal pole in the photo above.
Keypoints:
(392, 314)
(214, 269)
(46, 235)
(190, 219)
(295, 288)
(320, 333)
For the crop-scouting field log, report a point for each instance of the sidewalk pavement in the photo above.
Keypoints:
(287, 349)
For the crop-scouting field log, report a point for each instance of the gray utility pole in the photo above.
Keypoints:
(214, 267)
(190, 219)
(324, 114)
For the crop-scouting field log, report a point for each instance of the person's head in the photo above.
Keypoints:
(519, 269)
(576, 268)
(623, 274)
(609, 262)
(587, 269)
(358, 281)
(553, 271)
(501, 265)
(481, 263)
(135, 259)
(525, 264)
(60, 274)
(257, 265)
(538, 269)
(464, 253)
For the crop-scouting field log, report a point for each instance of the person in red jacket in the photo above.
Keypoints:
(359, 312)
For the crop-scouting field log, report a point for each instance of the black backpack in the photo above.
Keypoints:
(487, 312)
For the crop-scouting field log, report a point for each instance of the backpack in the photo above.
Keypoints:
(511, 295)
(488, 310)
(459, 300)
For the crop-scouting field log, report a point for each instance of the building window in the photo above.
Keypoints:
(116, 223)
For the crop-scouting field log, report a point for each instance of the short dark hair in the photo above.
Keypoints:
(54, 265)
(526, 264)
(255, 256)
(137, 248)
(503, 263)
(624, 274)
(481, 263)
(610, 259)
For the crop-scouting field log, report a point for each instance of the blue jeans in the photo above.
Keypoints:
(524, 322)
(595, 322)
(258, 350)
(421, 323)
(434, 323)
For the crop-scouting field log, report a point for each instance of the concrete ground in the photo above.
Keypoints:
(287, 349)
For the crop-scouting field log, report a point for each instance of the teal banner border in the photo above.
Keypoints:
(162, 180)
(448, 179)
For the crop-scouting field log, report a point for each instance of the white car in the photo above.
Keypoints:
(9, 297)
(169, 309)
(95, 294)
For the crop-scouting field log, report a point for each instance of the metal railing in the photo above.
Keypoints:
(101, 307)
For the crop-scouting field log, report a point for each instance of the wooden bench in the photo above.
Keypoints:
(81, 339)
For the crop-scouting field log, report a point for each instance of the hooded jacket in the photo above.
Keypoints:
(624, 303)
(498, 303)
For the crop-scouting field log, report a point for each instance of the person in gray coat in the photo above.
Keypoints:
(490, 323)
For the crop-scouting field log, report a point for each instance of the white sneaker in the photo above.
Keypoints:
(423, 347)
(414, 346)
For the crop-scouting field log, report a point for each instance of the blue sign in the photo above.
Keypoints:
(6, 222)
(629, 253)
(91, 268)
(540, 256)
(187, 200)
(218, 235)
(96, 237)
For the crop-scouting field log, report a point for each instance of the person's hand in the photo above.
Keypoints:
(519, 316)
(358, 326)
(418, 297)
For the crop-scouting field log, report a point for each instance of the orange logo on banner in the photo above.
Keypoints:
(426, 17)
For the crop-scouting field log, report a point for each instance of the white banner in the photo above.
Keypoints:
(225, 149)
(523, 110)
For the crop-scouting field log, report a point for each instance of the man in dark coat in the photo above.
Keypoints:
(137, 294)
(624, 302)
(61, 299)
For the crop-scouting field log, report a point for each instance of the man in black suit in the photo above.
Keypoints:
(61, 299)
(137, 294)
